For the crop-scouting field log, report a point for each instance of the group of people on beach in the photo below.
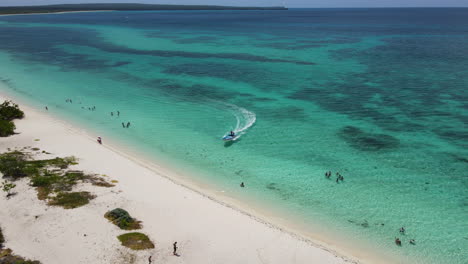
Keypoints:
(403, 232)
(339, 177)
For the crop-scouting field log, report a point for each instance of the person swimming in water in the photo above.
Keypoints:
(398, 242)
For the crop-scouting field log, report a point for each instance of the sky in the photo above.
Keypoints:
(287, 3)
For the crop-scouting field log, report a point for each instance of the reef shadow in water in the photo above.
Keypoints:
(364, 141)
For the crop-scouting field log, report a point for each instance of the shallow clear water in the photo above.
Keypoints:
(379, 95)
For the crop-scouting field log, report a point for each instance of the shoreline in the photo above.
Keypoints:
(256, 213)
(163, 173)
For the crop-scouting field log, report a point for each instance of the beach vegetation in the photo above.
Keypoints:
(122, 219)
(7, 257)
(7, 186)
(52, 178)
(136, 241)
(17, 164)
(7, 128)
(101, 182)
(70, 200)
(10, 111)
(13, 164)
(2, 239)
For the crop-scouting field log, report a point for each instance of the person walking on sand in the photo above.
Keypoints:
(150, 260)
(99, 140)
(174, 246)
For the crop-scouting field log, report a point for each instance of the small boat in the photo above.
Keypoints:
(230, 137)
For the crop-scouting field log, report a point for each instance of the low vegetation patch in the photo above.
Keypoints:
(52, 178)
(8, 112)
(7, 128)
(7, 256)
(17, 164)
(136, 241)
(70, 200)
(7, 187)
(2, 239)
(122, 219)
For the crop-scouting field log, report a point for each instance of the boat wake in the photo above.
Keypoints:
(245, 119)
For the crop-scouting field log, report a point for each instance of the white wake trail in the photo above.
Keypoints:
(245, 119)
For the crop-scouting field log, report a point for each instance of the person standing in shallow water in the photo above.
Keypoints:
(128, 124)
(123, 124)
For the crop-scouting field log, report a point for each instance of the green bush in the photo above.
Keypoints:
(136, 241)
(7, 257)
(7, 128)
(71, 200)
(2, 239)
(13, 165)
(10, 111)
(122, 219)
(7, 187)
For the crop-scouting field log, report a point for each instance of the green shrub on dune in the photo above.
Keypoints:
(13, 164)
(136, 241)
(70, 200)
(52, 178)
(7, 128)
(10, 111)
(122, 219)
(2, 239)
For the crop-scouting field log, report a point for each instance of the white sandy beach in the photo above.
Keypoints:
(206, 231)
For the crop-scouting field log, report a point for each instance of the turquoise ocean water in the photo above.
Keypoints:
(378, 95)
